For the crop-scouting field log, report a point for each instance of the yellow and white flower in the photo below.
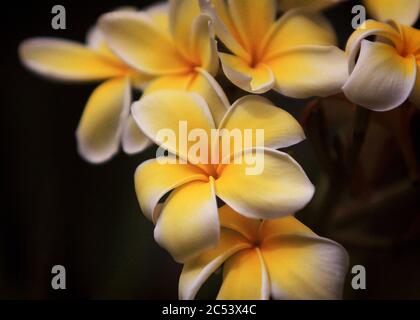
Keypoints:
(178, 49)
(188, 222)
(105, 120)
(294, 55)
(278, 259)
(384, 73)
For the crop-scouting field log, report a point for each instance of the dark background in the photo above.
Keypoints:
(58, 209)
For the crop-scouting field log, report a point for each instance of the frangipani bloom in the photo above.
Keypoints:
(386, 72)
(188, 221)
(294, 55)
(105, 120)
(278, 259)
(179, 49)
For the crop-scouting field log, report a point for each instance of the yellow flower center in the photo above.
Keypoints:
(255, 237)
(410, 44)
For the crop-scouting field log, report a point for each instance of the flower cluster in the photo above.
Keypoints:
(173, 53)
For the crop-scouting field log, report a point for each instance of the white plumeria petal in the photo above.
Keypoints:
(382, 79)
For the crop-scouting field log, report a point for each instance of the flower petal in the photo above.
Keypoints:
(188, 223)
(68, 60)
(200, 82)
(382, 79)
(182, 23)
(133, 140)
(255, 79)
(195, 272)
(284, 226)
(253, 20)
(95, 38)
(153, 179)
(310, 71)
(100, 128)
(403, 11)
(245, 277)
(181, 17)
(159, 13)
(140, 42)
(258, 113)
(307, 28)
(264, 184)
(96, 41)
(411, 38)
(177, 82)
(312, 4)
(223, 24)
(162, 114)
(303, 265)
(206, 86)
(368, 29)
(232, 220)
(140, 80)
(203, 46)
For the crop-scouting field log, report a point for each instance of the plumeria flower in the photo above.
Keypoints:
(385, 72)
(188, 221)
(294, 55)
(105, 120)
(278, 259)
(179, 49)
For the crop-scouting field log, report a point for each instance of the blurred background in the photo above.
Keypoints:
(59, 210)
